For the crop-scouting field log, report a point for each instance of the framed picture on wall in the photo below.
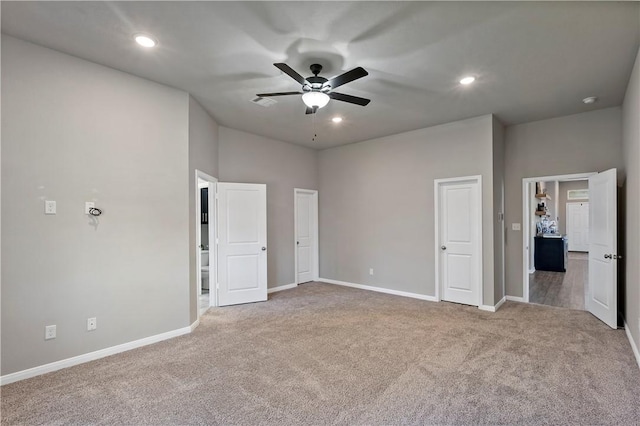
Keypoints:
(578, 194)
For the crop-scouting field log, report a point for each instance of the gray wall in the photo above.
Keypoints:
(377, 204)
(578, 143)
(203, 156)
(248, 158)
(498, 207)
(562, 203)
(69, 135)
(552, 201)
(631, 138)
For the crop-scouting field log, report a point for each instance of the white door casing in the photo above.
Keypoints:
(458, 210)
(306, 235)
(603, 269)
(578, 226)
(242, 243)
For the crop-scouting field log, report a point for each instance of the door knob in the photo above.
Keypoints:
(443, 247)
(608, 256)
(264, 248)
(617, 256)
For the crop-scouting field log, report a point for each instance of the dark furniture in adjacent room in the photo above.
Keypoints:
(204, 206)
(551, 254)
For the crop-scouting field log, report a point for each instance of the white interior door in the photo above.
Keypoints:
(242, 245)
(578, 226)
(602, 291)
(459, 234)
(305, 226)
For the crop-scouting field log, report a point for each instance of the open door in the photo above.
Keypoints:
(603, 268)
(242, 243)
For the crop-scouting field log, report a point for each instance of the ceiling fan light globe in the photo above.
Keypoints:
(315, 99)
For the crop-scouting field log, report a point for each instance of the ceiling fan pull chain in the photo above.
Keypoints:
(313, 124)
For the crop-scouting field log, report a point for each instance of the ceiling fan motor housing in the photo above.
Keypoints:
(316, 84)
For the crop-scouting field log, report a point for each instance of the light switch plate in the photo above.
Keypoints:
(49, 207)
(515, 226)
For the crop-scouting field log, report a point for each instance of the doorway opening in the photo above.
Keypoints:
(206, 264)
(557, 223)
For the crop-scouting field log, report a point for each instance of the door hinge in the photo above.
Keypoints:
(217, 241)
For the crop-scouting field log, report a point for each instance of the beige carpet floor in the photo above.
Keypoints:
(322, 354)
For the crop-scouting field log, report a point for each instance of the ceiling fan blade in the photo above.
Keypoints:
(348, 98)
(266, 95)
(347, 77)
(291, 73)
(311, 110)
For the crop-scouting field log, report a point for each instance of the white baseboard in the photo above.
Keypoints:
(91, 356)
(515, 298)
(490, 308)
(380, 289)
(634, 347)
(193, 326)
(281, 287)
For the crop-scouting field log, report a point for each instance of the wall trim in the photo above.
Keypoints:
(281, 287)
(380, 290)
(490, 308)
(634, 347)
(195, 324)
(516, 299)
(92, 356)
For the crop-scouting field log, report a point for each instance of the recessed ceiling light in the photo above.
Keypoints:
(145, 40)
(467, 80)
(336, 119)
(590, 100)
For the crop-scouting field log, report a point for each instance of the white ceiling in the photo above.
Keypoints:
(532, 60)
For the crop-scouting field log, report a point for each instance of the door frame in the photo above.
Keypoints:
(436, 195)
(213, 248)
(526, 219)
(315, 259)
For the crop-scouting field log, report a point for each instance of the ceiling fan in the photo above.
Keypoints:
(317, 91)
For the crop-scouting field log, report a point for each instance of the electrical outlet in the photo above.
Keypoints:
(515, 226)
(370, 271)
(49, 332)
(49, 207)
(92, 324)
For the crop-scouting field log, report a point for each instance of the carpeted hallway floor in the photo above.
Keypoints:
(322, 354)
